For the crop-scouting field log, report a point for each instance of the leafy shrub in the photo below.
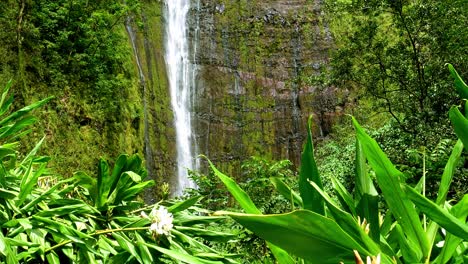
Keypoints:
(46, 219)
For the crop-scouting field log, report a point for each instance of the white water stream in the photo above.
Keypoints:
(180, 76)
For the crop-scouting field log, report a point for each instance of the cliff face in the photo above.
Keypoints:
(254, 60)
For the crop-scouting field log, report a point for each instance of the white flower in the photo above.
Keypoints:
(161, 220)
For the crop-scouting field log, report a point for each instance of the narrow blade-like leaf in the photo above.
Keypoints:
(286, 191)
(438, 214)
(389, 181)
(305, 234)
(460, 124)
(247, 204)
(460, 85)
(460, 211)
(179, 256)
(308, 172)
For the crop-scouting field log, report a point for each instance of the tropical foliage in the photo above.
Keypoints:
(409, 229)
(84, 219)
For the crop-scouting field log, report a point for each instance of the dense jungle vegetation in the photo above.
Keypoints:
(394, 192)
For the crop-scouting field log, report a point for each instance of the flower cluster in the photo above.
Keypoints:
(161, 221)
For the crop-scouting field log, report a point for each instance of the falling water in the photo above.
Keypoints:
(180, 73)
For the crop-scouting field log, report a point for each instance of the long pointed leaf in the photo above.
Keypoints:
(103, 184)
(460, 85)
(240, 195)
(308, 172)
(247, 204)
(181, 256)
(438, 214)
(445, 185)
(286, 191)
(343, 195)
(184, 204)
(460, 124)
(23, 111)
(349, 224)
(305, 234)
(460, 211)
(389, 179)
(5, 105)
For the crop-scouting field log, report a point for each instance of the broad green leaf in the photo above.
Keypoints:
(104, 245)
(189, 219)
(343, 195)
(132, 175)
(63, 229)
(23, 111)
(18, 126)
(305, 234)
(103, 184)
(80, 208)
(87, 182)
(7, 251)
(240, 195)
(460, 124)
(366, 194)
(445, 185)
(32, 153)
(286, 191)
(117, 171)
(194, 243)
(389, 179)
(182, 256)
(184, 204)
(53, 258)
(37, 236)
(460, 211)
(410, 255)
(28, 182)
(210, 235)
(246, 203)
(7, 194)
(133, 191)
(308, 172)
(145, 254)
(349, 224)
(4, 105)
(364, 183)
(20, 243)
(460, 85)
(122, 257)
(6, 151)
(438, 214)
(43, 196)
(127, 245)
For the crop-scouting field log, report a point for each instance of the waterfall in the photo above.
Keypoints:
(180, 77)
